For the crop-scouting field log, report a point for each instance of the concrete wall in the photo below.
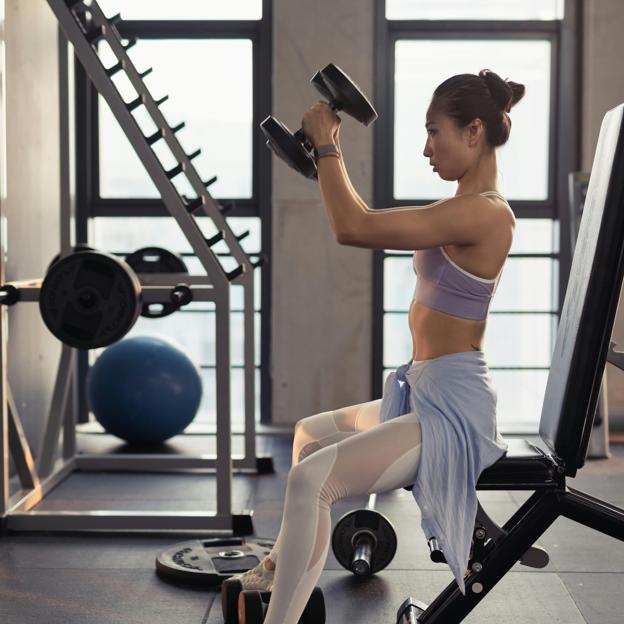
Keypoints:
(32, 203)
(321, 345)
(603, 88)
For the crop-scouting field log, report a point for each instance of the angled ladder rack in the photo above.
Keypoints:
(84, 25)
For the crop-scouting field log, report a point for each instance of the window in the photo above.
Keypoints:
(221, 126)
(474, 10)
(420, 65)
(213, 60)
(416, 56)
(184, 9)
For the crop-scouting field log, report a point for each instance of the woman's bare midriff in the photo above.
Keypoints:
(436, 333)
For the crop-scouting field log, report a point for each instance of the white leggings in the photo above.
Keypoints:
(337, 454)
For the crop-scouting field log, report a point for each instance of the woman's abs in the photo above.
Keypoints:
(435, 333)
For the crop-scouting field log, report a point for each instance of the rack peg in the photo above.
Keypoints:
(242, 236)
(213, 240)
(193, 205)
(232, 275)
(155, 137)
(262, 260)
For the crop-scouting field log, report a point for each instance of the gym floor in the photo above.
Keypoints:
(80, 578)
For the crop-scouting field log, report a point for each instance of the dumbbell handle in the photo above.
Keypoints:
(361, 563)
(300, 135)
(363, 550)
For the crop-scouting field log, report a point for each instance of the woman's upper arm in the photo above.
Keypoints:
(462, 220)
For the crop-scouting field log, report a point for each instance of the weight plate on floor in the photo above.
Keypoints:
(364, 523)
(156, 260)
(90, 299)
(209, 562)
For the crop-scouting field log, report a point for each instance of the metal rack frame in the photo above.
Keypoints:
(83, 26)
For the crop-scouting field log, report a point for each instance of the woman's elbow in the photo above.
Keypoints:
(343, 238)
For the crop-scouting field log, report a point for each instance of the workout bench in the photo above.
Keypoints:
(578, 361)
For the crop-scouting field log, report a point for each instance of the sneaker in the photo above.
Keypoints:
(257, 578)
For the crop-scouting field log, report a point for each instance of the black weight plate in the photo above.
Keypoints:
(156, 260)
(76, 249)
(362, 522)
(90, 299)
(209, 562)
(282, 141)
(345, 93)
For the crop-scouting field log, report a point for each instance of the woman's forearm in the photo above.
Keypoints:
(344, 209)
(360, 201)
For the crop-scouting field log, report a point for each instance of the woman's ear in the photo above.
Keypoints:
(475, 130)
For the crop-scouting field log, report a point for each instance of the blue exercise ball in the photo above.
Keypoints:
(144, 389)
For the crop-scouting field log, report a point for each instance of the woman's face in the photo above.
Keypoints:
(449, 148)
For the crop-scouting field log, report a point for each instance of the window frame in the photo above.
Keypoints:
(564, 134)
(89, 204)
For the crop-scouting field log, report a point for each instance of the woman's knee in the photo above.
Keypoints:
(309, 432)
(306, 439)
(314, 471)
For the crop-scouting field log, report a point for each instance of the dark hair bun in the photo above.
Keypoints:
(504, 92)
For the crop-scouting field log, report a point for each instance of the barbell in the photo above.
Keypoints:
(90, 299)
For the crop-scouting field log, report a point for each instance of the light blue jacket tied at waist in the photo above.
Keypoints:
(456, 404)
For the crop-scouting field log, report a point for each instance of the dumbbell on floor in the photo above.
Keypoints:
(250, 606)
(364, 541)
(342, 94)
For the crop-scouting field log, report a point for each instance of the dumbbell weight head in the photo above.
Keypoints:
(364, 541)
(296, 153)
(342, 94)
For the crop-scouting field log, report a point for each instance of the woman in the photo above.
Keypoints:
(435, 427)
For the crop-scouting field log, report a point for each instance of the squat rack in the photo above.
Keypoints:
(84, 25)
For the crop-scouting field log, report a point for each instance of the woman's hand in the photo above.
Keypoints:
(321, 124)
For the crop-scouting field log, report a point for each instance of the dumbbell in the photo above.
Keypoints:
(364, 541)
(342, 93)
(250, 605)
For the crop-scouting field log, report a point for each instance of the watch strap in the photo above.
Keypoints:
(324, 150)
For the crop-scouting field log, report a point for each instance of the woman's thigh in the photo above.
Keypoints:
(320, 430)
(380, 459)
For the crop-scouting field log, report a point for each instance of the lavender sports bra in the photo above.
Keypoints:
(444, 286)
